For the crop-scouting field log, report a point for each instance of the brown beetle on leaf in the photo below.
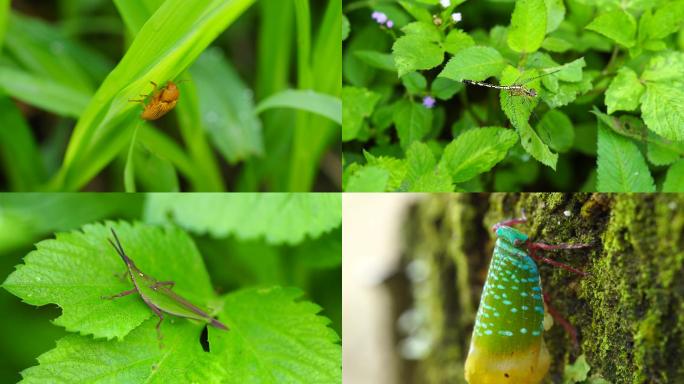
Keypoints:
(163, 100)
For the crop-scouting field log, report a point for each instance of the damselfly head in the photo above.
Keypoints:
(532, 92)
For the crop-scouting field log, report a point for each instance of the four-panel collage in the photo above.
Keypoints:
(342, 191)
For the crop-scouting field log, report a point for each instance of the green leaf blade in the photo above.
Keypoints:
(621, 167)
(528, 26)
(280, 218)
(618, 25)
(474, 63)
(76, 269)
(624, 91)
(476, 151)
(277, 339)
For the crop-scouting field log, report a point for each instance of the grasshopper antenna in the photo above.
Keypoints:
(117, 246)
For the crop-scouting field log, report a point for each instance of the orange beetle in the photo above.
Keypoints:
(163, 100)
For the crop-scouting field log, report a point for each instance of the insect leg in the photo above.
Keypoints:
(562, 321)
(136, 101)
(510, 222)
(533, 247)
(170, 284)
(124, 293)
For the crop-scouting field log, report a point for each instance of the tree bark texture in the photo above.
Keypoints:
(629, 310)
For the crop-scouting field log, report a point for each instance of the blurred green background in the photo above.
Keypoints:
(233, 258)
(69, 67)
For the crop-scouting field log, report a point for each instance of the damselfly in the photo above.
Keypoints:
(518, 100)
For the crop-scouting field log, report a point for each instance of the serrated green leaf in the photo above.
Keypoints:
(416, 52)
(136, 359)
(518, 109)
(422, 174)
(618, 25)
(412, 120)
(277, 217)
(474, 63)
(457, 40)
(556, 129)
(674, 180)
(624, 91)
(277, 339)
(368, 179)
(528, 26)
(76, 269)
(662, 102)
(621, 167)
(476, 151)
(357, 105)
(395, 167)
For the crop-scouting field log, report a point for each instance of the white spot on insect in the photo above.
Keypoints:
(496, 314)
(505, 333)
(141, 274)
(536, 333)
(672, 205)
(567, 213)
(505, 295)
(523, 330)
(488, 332)
(507, 302)
(514, 310)
(525, 307)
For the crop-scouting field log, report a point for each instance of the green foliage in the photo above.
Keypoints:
(404, 84)
(276, 334)
(278, 218)
(75, 71)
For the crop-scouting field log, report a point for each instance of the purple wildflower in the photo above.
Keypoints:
(429, 102)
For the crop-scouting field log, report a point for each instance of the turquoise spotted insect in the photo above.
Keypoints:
(507, 344)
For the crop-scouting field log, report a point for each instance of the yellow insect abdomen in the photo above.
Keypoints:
(527, 366)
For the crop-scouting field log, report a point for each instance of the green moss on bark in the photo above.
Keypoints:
(629, 311)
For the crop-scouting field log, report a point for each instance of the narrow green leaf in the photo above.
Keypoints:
(624, 91)
(318, 103)
(674, 180)
(357, 105)
(474, 63)
(43, 92)
(226, 107)
(618, 25)
(476, 151)
(19, 153)
(412, 120)
(104, 126)
(621, 167)
(277, 217)
(528, 26)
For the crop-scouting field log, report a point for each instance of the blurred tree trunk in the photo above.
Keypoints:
(629, 311)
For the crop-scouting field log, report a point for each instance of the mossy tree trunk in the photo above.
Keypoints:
(629, 310)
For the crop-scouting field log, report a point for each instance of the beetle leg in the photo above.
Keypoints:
(136, 101)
